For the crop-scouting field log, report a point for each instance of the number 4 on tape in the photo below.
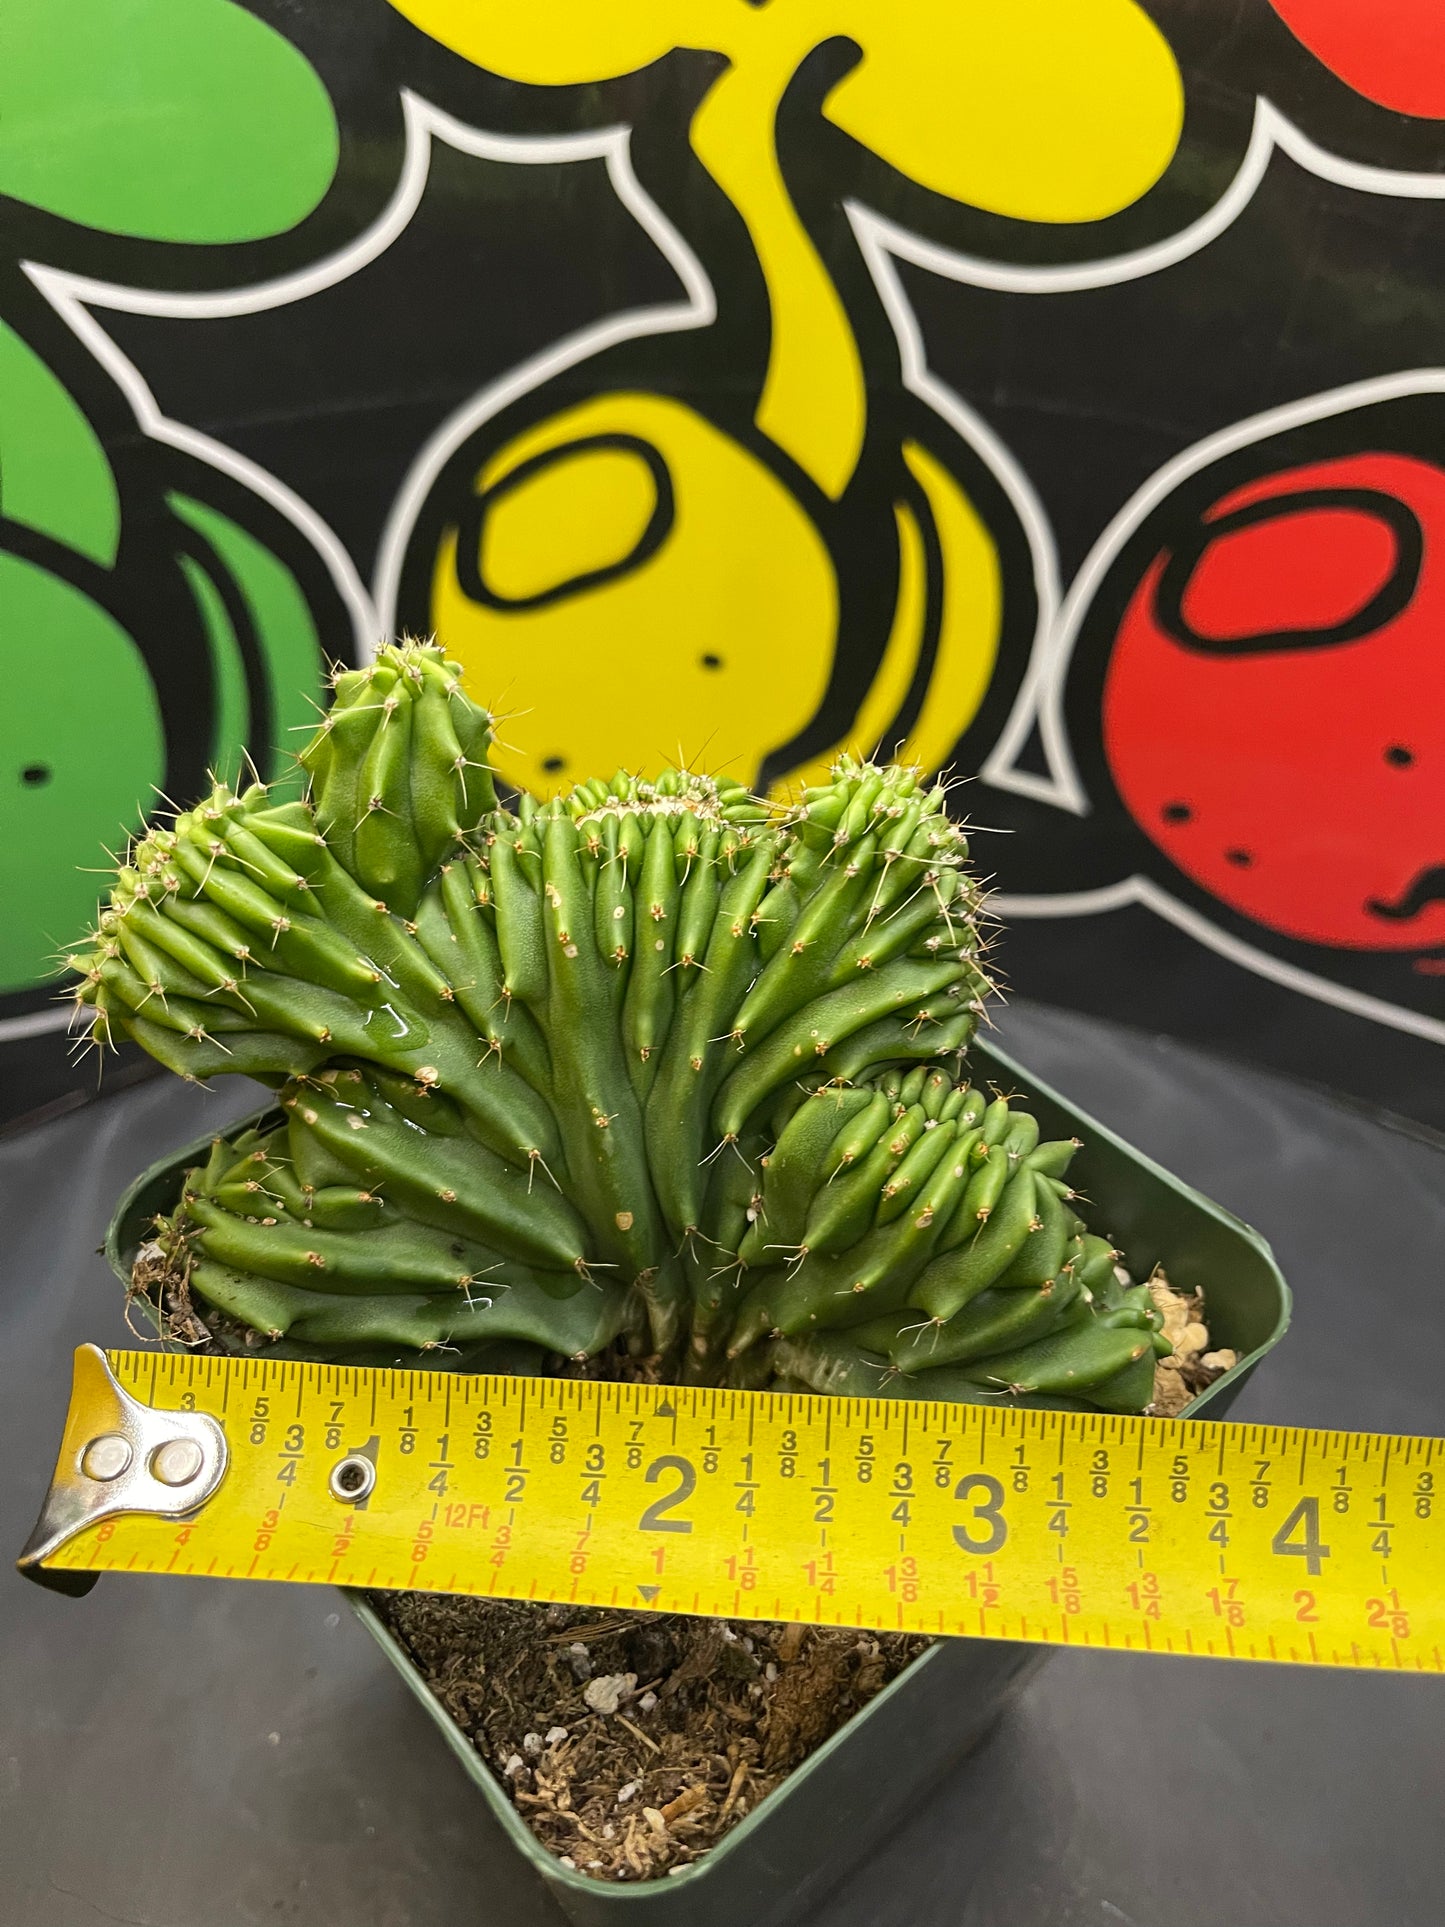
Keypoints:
(1081, 1529)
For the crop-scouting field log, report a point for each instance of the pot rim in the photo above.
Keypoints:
(987, 1060)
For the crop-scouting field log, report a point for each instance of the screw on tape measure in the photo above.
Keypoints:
(1080, 1529)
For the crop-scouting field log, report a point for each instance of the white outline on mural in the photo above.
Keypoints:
(68, 294)
(1039, 701)
(1139, 889)
(874, 244)
(1142, 890)
(72, 296)
(1038, 704)
(1162, 483)
(698, 310)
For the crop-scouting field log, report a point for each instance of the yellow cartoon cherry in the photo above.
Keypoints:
(1040, 110)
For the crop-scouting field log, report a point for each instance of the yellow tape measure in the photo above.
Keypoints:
(1150, 1535)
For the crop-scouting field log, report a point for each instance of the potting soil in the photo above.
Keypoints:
(631, 1742)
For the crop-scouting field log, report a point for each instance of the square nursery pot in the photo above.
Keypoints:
(802, 1840)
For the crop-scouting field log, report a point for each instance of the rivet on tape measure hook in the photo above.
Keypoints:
(119, 1456)
(1188, 1536)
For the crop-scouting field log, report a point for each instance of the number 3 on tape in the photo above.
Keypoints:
(1081, 1529)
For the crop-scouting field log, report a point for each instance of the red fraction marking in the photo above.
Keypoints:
(1391, 51)
(1296, 785)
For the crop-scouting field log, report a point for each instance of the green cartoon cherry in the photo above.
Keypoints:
(170, 120)
(81, 753)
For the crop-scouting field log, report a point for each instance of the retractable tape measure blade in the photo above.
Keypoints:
(1236, 1541)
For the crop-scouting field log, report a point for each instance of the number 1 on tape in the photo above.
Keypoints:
(1234, 1541)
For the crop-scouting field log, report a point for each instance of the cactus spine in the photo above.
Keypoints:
(654, 1063)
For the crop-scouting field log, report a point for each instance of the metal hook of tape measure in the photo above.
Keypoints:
(118, 1455)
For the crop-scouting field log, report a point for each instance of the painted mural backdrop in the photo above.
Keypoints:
(1052, 391)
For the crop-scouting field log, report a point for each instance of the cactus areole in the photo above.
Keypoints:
(656, 1072)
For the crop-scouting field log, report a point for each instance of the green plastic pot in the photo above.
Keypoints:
(802, 1840)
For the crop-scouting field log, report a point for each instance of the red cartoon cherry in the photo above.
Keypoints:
(1274, 707)
(1391, 51)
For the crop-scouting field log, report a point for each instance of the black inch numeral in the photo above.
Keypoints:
(1304, 1519)
(654, 1519)
(988, 1510)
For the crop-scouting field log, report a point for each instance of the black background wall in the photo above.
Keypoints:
(1051, 394)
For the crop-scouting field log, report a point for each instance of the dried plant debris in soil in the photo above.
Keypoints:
(631, 1742)
(1192, 1365)
(160, 1298)
(160, 1286)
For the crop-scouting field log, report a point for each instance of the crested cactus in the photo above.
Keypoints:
(655, 1067)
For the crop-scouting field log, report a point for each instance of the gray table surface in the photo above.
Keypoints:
(176, 1753)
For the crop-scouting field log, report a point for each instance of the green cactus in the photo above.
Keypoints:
(655, 1069)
